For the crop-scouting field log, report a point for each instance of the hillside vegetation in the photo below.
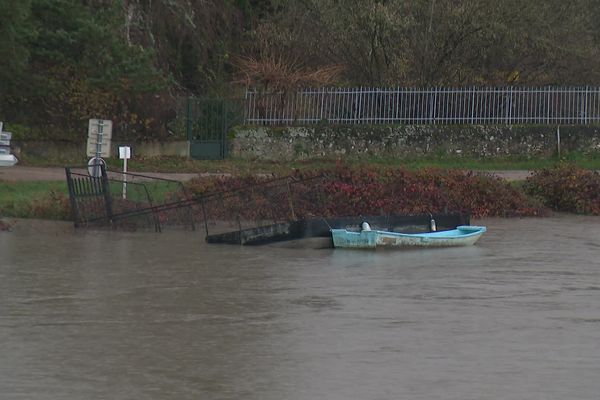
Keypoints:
(64, 61)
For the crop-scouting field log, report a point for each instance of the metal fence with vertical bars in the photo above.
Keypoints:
(147, 203)
(472, 105)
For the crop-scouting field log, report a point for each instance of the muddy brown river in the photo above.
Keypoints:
(112, 315)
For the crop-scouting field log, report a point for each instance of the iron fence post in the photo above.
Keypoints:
(204, 214)
(188, 121)
(106, 192)
(73, 200)
(291, 202)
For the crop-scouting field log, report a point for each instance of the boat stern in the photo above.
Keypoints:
(354, 240)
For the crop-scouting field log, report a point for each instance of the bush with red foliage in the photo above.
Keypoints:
(567, 188)
(4, 226)
(371, 191)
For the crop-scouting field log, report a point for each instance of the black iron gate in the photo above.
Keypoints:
(125, 200)
(208, 123)
(90, 196)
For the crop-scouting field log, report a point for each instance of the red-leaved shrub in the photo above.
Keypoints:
(370, 191)
(567, 188)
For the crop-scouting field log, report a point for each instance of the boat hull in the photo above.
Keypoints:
(461, 236)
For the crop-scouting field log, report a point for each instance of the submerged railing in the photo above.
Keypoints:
(126, 200)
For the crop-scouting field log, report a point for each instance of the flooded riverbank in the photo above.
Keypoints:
(116, 315)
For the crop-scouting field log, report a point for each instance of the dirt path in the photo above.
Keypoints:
(20, 173)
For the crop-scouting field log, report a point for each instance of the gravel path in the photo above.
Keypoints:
(20, 173)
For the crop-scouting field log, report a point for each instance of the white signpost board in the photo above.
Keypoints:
(99, 136)
(5, 138)
(98, 144)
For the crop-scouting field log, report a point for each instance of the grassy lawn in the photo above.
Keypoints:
(48, 198)
(23, 192)
(21, 199)
(157, 191)
(244, 167)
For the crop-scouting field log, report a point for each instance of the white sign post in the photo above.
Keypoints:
(124, 154)
(98, 144)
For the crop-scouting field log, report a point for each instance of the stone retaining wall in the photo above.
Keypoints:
(360, 141)
(327, 141)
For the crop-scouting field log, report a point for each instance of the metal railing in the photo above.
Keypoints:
(102, 201)
(474, 105)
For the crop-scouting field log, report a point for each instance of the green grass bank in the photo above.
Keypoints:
(237, 166)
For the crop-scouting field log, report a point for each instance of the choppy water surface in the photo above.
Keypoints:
(102, 315)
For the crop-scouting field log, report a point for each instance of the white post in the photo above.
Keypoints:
(124, 154)
(124, 179)
(558, 140)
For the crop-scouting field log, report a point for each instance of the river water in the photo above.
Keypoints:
(105, 315)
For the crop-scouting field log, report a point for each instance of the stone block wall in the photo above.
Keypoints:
(360, 141)
(334, 141)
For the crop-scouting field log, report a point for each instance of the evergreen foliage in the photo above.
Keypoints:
(64, 61)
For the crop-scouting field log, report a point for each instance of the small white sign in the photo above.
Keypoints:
(5, 138)
(124, 152)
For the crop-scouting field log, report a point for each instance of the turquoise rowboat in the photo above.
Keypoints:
(370, 239)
